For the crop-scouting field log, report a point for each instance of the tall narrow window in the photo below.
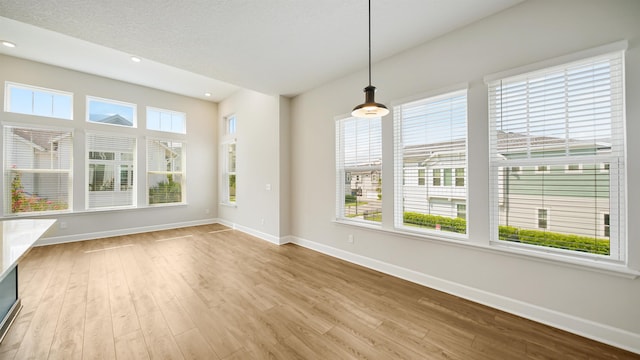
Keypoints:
(560, 124)
(38, 169)
(431, 134)
(229, 173)
(31, 100)
(359, 158)
(165, 171)
(110, 165)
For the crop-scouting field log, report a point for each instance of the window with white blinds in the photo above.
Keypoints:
(557, 158)
(165, 171)
(110, 171)
(430, 140)
(38, 169)
(359, 169)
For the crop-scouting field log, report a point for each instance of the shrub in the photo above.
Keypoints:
(22, 202)
(510, 233)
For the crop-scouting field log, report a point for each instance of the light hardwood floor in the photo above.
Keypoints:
(209, 292)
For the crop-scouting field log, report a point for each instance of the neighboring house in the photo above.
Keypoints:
(436, 173)
(37, 150)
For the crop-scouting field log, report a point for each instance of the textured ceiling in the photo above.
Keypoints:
(273, 46)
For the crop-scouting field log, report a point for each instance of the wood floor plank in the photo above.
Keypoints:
(209, 292)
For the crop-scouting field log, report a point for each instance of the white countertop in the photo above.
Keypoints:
(18, 236)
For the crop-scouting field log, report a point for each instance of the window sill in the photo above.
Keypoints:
(230, 205)
(594, 264)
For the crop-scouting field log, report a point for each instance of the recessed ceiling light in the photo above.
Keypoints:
(8, 44)
(135, 59)
(207, 94)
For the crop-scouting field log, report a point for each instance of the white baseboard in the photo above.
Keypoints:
(102, 234)
(596, 331)
(261, 235)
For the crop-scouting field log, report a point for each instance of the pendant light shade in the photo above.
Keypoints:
(370, 108)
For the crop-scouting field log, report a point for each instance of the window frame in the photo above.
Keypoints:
(618, 243)
(8, 187)
(372, 165)
(182, 173)
(132, 106)
(226, 173)
(117, 172)
(9, 85)
(170, 113)
(442, 175)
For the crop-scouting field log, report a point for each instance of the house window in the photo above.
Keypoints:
(604, 167)
(606, 225)
(38, 174)
(543, 218)
(165, 172)
(421, 177)
(570, 117)
(358, 153)
(459, 176)
(437, 177)
(110, 174)
(543, 169)
(461, 210)
(516, 170)
(229, 173)
(31, 100)
(166, 120)
(431, 133)
(573, 168)
(111, 112)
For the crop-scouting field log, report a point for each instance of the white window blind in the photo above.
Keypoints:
(110, 171)
(560, 127)
(430, 138)
(38, 169)
(359, 169)
(165, 171)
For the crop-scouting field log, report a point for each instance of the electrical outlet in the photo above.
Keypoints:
(261, 221)
(206, 211)
(350, 239)
(63, 224)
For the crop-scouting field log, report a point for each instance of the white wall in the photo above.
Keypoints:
(599, 305)
(261, 168)
(200, 143)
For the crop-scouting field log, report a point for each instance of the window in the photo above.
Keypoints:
(606, 225)
(543, 169)
(111, 112)
(166, 120)
(37, 173)
(459, 176)
(431, 134)
(421, 177)
(516, 170)
(229, 173)
(359, 157)
(462, 211)
(110, 177)
(31, 100)
(437, 177)
(573, 168)
(165, 171)
(564, 117)
(543, 215)
(230, 125)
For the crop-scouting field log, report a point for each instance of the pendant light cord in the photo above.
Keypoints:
(369, 42)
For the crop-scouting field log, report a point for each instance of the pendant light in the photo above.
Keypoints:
(370, 108)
